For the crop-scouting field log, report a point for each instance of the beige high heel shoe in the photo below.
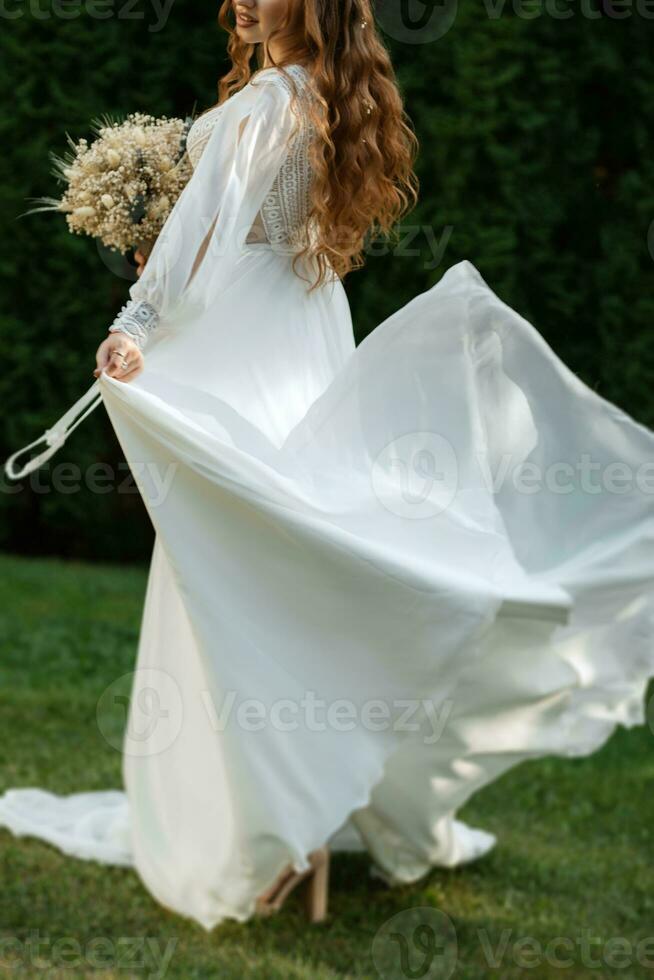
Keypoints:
(316, 888)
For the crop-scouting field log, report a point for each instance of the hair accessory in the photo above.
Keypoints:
(364, 24)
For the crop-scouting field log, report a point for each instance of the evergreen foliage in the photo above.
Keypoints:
(534, 165)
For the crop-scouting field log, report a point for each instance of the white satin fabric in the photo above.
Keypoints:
(328, 533)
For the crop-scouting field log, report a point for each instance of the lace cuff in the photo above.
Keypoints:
(137, 319)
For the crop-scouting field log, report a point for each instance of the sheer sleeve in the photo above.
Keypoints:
(204, 232)
(211, 219)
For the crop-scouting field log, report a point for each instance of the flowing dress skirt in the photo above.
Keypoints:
(381, 577)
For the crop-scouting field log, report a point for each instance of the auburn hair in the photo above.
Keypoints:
(364, 152)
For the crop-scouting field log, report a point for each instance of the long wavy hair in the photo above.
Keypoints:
(364, 151)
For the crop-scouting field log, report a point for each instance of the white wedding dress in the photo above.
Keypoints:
(382, 575)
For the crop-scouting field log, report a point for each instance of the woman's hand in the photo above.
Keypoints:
(118, 347)
(120, 356)
(140, 259)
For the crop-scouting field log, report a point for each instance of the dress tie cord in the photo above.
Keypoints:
(56, 436)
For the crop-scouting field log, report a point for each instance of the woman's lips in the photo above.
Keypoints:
(243, 20)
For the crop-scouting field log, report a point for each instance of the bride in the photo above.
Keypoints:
(382, 575)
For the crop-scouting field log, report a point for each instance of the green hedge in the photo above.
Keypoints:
(534, 166)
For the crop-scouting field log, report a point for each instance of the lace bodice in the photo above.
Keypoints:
(283, 219)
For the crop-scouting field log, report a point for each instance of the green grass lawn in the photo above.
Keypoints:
(574, 859)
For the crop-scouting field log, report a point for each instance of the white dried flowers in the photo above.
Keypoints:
(122, 186)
